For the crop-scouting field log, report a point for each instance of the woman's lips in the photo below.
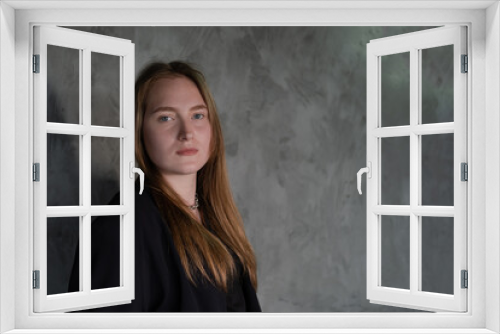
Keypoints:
(190, 151)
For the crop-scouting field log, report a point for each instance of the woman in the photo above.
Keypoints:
(192, 253)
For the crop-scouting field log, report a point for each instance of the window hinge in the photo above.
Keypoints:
(36, 172)
(36, 279)
(465, 279)
(36, 63)
(465, 64)
(465, 171)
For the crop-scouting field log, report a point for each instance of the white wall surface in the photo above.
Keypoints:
(7, 165)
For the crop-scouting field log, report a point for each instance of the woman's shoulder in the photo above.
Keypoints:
(147, 214)
(146, 195)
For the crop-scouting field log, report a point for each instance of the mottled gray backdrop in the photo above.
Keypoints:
(292, 101)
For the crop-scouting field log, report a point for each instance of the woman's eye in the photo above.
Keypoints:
(199, 116)
(165, 118)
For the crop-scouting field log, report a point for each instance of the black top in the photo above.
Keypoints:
(161, 284)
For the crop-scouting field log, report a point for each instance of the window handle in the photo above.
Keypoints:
(367, 170)
(138, 171)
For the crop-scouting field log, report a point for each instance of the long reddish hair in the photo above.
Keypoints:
(201, 251)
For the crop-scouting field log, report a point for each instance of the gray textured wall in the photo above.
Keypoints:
(292, 101)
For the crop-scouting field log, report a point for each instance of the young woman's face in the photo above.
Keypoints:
(176, 128)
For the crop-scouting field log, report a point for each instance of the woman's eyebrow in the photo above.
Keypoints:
(166, 108)
(198, 107)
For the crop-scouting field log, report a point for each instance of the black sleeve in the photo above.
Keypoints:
(252, 303)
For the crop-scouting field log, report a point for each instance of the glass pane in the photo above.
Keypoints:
(437, 169)
(437, 254)
(63, 85)
(437, 84)
(62, 244)
(105, 252)
(63, 170)
(395, 231)
(105, 169)
(105, 78)
(395, 167)
(395, 94)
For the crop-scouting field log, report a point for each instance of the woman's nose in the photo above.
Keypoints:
(186, 130)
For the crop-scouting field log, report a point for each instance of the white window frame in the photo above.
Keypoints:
(483, 21)
(85, 44)
(414, 211)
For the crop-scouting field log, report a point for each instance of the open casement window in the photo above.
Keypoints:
(73, 122)
(416, 170)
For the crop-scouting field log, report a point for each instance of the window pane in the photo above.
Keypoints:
(437, 254)
(63, 85)
(395, 94)
(63, 170)
(105, 90)
(437, 84)
(395, 167)
(105, 253)
(437, 169)
(105, 169)
(62, 242)
(395, 231)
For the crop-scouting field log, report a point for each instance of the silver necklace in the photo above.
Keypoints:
(195, 206)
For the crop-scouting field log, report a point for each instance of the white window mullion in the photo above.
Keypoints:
(85, 163)
(85, 166)
(80, 211)
(378, 253)
(392, 210)
(414, 170)
(79, 129)
(81, 254)
(434, 129)
(103, 131)
(123, 244)
(419, 252)
(422, 129)
(85, 249)
(434, 211)
(392, 131)
(414, 219)
(406, 210)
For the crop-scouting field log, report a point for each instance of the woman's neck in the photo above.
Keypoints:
(184, 186)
